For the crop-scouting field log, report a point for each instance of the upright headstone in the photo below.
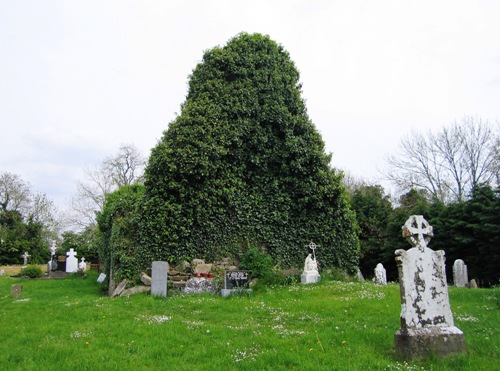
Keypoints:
(311, 273)
(82, 265)
(426, 319)
(159, 279)
(460, 276)
(380, 275)
(71, 261)
(25, 257)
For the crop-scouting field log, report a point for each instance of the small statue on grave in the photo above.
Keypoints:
(310, 265)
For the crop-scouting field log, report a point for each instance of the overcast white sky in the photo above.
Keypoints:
(78, 78)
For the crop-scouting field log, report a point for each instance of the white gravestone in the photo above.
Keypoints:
(71, 261)
(310, 274)
(426, 319)
(82, 265)
(460, 276)
(380, 275)
(25, 257)
(101, 278)
(159, 279)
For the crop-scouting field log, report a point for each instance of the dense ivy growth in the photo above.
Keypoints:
(118, 226)
(243, 165)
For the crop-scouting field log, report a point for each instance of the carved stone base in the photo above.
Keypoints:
(439, 341)
(309, 278)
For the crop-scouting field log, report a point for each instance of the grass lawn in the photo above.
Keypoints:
(68, 324)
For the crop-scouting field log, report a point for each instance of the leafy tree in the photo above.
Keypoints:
(118, 225)
(85, 242)
(27, 221)
(373, 211)
(243, 166)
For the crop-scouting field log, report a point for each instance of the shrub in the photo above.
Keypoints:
(32, 271)
(258, 263)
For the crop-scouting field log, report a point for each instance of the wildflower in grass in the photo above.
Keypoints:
(344, 342)
(311, 349)
(154, 319)
(21, 300)
(467, 318)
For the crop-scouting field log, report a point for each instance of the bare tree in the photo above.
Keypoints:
(125, 168)
(447, 164)
(15, 193)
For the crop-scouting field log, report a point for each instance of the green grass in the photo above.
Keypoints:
(69, 325)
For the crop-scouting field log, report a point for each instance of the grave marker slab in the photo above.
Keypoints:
(101, 278)
(380, 275)
(426, 319)
(235, 280)
(159, 278)
(460, 276)
(15, 290)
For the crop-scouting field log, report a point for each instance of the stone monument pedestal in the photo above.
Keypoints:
(306, 278)
(427, 341)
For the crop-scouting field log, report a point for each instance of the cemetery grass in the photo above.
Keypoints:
(69, 324)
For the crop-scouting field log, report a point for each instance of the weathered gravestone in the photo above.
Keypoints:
(380, 275)
(2, 273)
(460, 276)
(426, 320)
(71, 261)
(235, 280)
(159, 274)
(119, 289)
(15, 290)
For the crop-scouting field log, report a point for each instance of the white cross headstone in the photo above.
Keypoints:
(71, 261)
(426, 320)
(25, 256)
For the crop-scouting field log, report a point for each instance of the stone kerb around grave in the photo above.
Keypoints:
(426, 319)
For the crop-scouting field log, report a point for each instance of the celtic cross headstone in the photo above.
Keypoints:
(426, 319)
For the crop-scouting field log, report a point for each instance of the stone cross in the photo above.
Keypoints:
(417, 231)
(53, 248)
(313, 247)
(25, 256)
(426, 319)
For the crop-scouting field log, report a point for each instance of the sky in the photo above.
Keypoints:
(80, 78)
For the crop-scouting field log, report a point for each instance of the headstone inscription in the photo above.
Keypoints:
(380, 275)
(235, 280)
(71, 261)
(426, 319)
(310, 274)
(460, 276)
(159, 274)
(25, 257)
